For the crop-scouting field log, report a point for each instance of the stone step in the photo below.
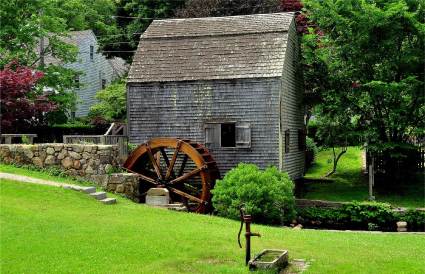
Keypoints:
(76, 188)
(98, 195)
(109, 201)
(88, 189)
(176, 207)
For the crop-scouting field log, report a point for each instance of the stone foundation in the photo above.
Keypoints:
(75, 159)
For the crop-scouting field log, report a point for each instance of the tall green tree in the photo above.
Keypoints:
(24, 26)
(132, 19)
(375, 56)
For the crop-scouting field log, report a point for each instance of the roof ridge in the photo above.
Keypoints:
(224, 17)
(188, 36)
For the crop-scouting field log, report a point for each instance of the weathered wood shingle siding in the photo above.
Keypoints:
(92, 71)
(292, 111)
(181, 109)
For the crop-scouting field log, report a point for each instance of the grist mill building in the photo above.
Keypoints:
(232, 83)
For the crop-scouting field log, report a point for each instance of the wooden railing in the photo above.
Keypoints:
(8, 138)
(119, 140)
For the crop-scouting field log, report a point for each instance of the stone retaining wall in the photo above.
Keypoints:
(126, 184)
(75, 159)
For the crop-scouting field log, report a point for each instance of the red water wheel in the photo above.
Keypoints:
(185, 168)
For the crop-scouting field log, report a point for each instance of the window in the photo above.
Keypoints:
(287, 141)
(91, 53)
(301, 139)
(103, 83)
(228, 135)
(77, 81)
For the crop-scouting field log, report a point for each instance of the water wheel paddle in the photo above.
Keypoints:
(185, 168)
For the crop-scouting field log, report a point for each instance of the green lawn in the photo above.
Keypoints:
(348, 183)
(40, 174)
(52, 230)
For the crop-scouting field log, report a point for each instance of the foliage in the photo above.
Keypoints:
(65, 220)
(76, 124)
(25, 139)
(51, 173)
(361, 215)
(311, 151)
(349, 183)
(23, 24)
(112, 102)
(132, 19)
(207, 8)
(414, 218)
(374, 55)
(266, 195)
(131, 147)
(22, 106)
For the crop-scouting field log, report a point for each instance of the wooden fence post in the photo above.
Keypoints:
(371, 180)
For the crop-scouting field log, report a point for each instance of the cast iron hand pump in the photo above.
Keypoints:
(247, 219)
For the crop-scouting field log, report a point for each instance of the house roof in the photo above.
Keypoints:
(247, 46)
(73, 38)
(119, 66)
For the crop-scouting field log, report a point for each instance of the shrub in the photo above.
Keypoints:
(131, 147)
(111, 102)
(415, 219)
(311, 151)
(361, 215)
(267, 195)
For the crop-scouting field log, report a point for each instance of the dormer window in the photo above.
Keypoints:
(91, 53)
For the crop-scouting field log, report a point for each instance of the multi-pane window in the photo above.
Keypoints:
(228, 134)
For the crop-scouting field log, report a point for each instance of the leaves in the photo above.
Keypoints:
(374, 55)
(267, 195)
(112, 102)
(21, 105)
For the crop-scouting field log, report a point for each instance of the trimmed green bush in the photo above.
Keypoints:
(311, 151)
(361, 215)
(267, 195)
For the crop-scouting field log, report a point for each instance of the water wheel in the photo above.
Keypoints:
(185, 168)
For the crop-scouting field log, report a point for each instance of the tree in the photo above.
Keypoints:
(374, 53)
(22, 105)
(132, 19)
(112, 103)
(206, 8)
(24, 25)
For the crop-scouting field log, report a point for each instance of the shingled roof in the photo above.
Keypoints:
(232, 47)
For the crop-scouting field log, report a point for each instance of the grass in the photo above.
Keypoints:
(53, 230)
(41, 174)
(349, 184)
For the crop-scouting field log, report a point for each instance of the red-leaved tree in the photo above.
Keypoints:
(21, 106)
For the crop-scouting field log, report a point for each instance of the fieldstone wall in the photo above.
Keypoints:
(126, 184)
(77, 160)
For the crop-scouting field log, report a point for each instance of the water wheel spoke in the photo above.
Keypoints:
(186, 195)
(143, 177)
(183, 165)
(154, 162)
(173, 162)
(187, 175)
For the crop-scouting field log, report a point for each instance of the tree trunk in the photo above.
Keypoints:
(336, 159)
